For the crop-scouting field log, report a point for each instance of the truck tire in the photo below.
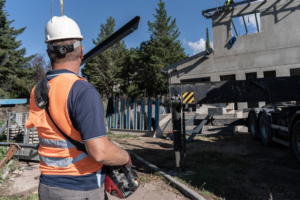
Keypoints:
(253, 129)
(265, 130)
(296, 140)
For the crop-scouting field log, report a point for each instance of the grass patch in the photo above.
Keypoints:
(14, 165)
(2, 152)
(33, 197)
(1, 123)
(111, 135)
(143, 179)
(163, 178)
(11, 198)
(30, 197)
(213, 171)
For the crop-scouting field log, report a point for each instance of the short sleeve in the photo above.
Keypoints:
(86, 110)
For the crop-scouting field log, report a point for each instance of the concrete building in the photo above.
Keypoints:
(274, 51)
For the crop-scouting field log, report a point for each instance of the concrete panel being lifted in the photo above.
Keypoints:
(275, 48)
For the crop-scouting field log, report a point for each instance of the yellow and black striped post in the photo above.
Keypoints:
(188, 97)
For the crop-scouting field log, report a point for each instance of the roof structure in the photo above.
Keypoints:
(207, 14)
(203, 53)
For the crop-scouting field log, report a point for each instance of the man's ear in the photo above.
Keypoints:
(81, 54)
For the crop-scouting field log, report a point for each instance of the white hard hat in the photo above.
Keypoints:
(61, 28)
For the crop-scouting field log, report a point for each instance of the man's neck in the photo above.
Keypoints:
(71, 66)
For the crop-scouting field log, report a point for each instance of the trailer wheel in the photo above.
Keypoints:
(296, 140)
(253, 126)
(265, 130)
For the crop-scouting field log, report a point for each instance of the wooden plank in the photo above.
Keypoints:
(9, 154)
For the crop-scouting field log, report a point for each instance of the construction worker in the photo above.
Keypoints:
(228, 2)
(76, 108)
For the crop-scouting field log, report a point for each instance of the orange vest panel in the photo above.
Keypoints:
(58, 155)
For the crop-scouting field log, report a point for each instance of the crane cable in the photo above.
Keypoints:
(62, 7)
(51, 10)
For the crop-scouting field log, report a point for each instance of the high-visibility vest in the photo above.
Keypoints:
(228, 3)
(58, 156)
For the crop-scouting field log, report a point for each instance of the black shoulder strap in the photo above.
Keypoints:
(42, 101)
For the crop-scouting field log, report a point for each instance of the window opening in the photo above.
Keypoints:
(204, 79)
(295, 72)
(246, 24)
(270, 74)
(253, 75)
(230, 77)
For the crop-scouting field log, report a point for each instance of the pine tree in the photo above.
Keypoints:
(207, 44)
(15, 77)
(163, 49)
(104, 71)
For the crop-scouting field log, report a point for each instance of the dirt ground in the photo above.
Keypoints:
(21, 186)
(231, 167)
(22, 183)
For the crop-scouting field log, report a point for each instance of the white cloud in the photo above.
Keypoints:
(250, 20)
(198, 46)
(184, 41)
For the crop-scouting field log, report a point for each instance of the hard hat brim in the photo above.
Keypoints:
(62, 38)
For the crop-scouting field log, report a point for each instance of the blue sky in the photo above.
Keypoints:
(89, 14)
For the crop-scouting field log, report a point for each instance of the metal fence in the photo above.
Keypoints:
(137, 115)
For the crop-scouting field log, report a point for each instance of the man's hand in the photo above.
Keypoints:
(105, 152)
(128, 165)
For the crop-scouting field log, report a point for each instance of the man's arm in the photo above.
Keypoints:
(87, 115)
(107, 153)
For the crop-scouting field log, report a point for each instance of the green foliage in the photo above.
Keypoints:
(1, 123)
(207, 44)
(33, 197)
(4, 95)
(2, 152)
(104, 71)
(133, 91)
(11, 198)
(13, 165)
(143, 179)
(136, 71)
(163, 49)
(15, 78)
(129, 70)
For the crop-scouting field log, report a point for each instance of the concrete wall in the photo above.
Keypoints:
(276, 47)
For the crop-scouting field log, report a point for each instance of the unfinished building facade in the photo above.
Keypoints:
(273, 51)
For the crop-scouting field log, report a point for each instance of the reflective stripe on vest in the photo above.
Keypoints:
(59, 156)
(62, 162)
(228, 3)
(63, 144)
(59, 162)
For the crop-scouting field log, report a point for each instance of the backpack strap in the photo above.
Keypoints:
(42, 101)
